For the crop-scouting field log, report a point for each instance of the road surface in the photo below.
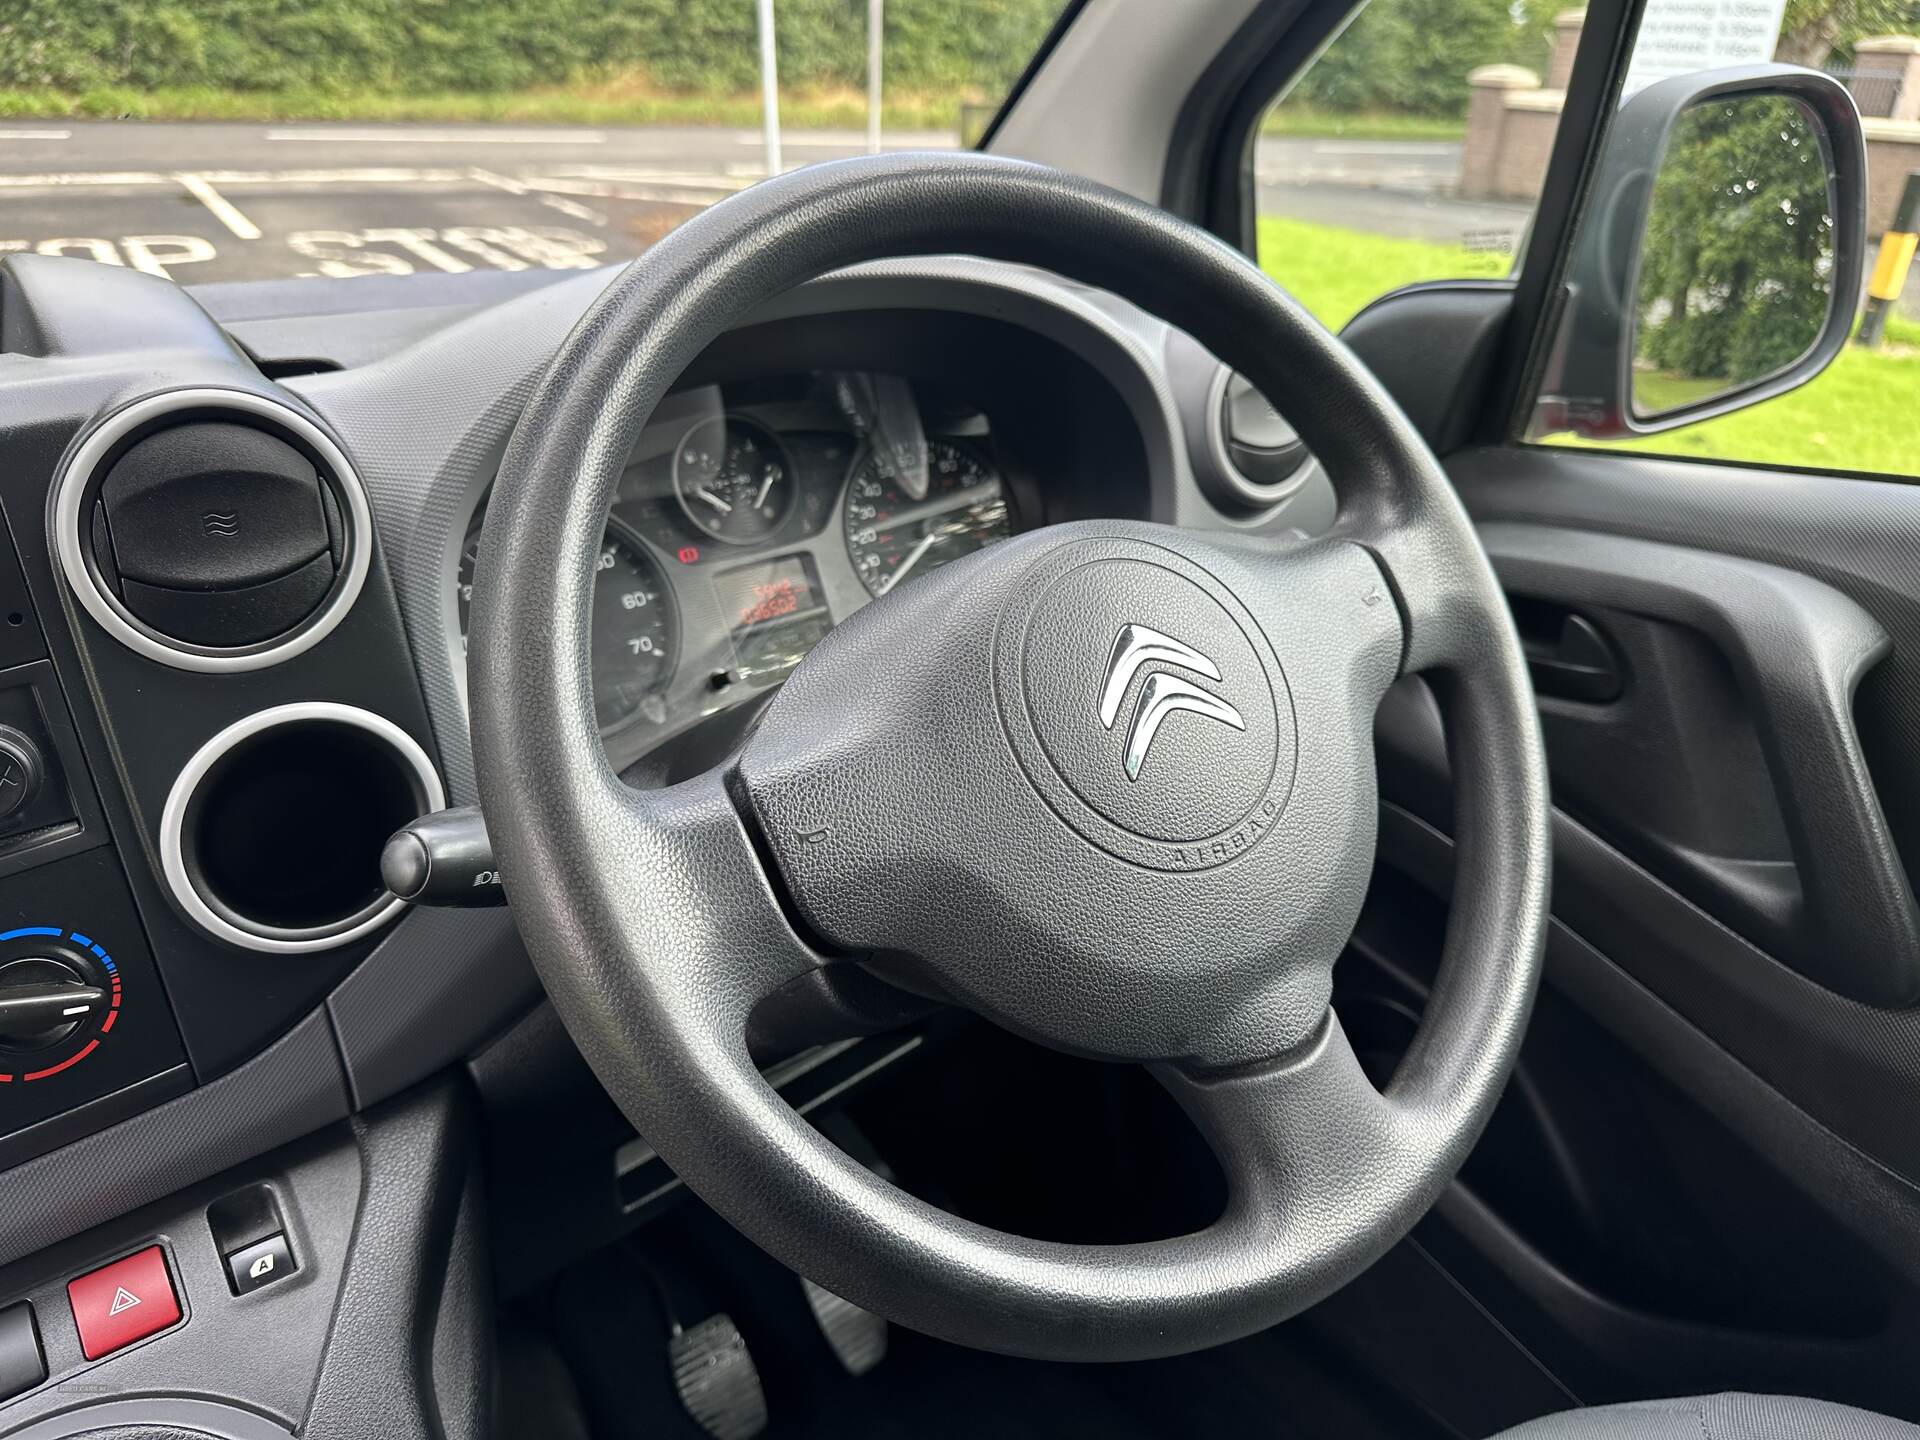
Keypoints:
(204, 202)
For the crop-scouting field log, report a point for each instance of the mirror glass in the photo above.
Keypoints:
(1736, 267)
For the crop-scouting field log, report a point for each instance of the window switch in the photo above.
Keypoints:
(250, 1268)
(22, 1366)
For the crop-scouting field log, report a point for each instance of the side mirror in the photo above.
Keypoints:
(1723, 254)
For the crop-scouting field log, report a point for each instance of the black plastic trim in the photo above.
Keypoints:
(1844, 913)
(1434, 346)
(1207, 178)
(1599, 66)
(293, 1088)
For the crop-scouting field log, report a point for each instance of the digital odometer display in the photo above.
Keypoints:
(774, 611)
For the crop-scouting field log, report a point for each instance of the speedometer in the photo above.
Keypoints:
(635, 628)
(891, 536)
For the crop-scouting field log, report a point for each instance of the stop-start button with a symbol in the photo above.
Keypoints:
(260, 1264)
(123, 1302)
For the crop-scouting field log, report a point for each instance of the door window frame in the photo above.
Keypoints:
(1209, 169)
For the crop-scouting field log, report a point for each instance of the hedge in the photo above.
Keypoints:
(414, 46)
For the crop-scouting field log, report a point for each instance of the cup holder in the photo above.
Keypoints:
(271, 836)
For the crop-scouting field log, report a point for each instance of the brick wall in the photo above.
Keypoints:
(1511, 120)
(1512, 117)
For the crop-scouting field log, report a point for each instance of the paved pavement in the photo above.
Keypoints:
(204, 202)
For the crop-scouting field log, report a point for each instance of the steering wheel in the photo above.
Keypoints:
(1109, 784)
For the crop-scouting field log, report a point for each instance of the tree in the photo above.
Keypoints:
(1813, 30)
(1414, 55)
(1736, 271)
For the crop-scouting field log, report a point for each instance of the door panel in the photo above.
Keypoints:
(1706, 1174)
(1855, 1066)
(1719, 747)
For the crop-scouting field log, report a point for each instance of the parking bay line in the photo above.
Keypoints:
(375, 175)
(441, 137)
(133, 179)
(224, 210)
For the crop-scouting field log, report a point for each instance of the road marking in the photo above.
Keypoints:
(678, 181)
(344, 254)
(696, 194)
(499, 182)
(157, 254)
(112, 179)
(651, 174)
(60, 178)
(1368, 147)
(419, 243)
(574, 208)
(36, 134)
(224, 210)
(369, 175)
(151, 253)
(441, 137)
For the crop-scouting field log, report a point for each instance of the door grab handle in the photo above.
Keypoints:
(1575, 662)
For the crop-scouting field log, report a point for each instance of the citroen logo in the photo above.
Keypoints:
(1163, 694)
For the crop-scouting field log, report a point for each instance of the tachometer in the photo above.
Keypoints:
(892, 537)
(734, 480)
(635, 628)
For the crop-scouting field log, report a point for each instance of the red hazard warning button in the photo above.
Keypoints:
(123, 1302)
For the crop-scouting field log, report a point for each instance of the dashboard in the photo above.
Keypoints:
(241, 532)
(753, 517)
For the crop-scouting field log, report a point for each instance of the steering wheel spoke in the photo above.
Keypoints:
(1329, 608)
(1307, 1144)
(1441, 587)
(686, 852)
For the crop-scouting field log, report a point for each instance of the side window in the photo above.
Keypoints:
(1710, 330)
(1414, 148)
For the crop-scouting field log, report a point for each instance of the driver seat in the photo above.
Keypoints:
(1717, 1417)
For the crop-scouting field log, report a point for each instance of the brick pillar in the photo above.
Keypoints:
(1566, 40)
(1898, 58)
(1482, 155)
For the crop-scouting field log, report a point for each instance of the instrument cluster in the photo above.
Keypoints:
(754, 517)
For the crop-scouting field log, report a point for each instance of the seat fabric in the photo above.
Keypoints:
(1717, 1417)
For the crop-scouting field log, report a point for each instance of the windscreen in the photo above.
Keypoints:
(216, 140)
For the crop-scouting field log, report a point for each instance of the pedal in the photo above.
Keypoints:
(858, 1337)
(718, 1382)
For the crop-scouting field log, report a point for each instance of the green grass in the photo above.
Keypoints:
(613, 104)
(621, 102)
(1304, 120)
(1335, 272)
(1862, 413)
(1657, 391)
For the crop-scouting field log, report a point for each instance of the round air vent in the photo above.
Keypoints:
(1261, 458)
(212, 529)
(271, 836)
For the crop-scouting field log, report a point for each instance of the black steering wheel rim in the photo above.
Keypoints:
(657, 920)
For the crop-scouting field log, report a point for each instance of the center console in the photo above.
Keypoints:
(210, 723)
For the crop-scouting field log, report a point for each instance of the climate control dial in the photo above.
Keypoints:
(44, 1001)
